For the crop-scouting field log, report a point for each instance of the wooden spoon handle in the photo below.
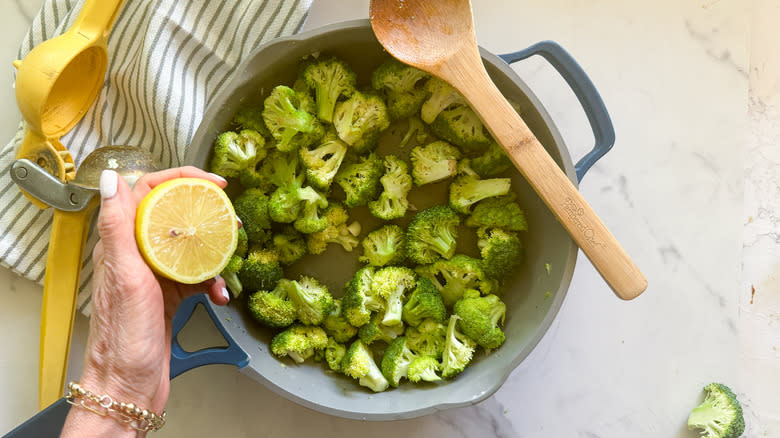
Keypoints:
(555, 189)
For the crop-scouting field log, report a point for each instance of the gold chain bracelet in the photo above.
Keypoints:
(139, 419)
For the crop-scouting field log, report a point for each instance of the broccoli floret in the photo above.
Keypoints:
(424, 302)
(281, 168)
(234, 152)
(330, 78)
(359, 364)
(322, 161)
(458, 350)
(251, 118)
(252, 208)
(303, 93)
(359, 299)
(290, 245)
(392, 202)
(467, 188)
(336, 231)
(402, 85)
(416, 130)
(392, 283)
(299, 342)
(492, 162)
(499, 212)
(230, 274)
(334, 354)
(384, 246)
(431, 234)
(291, 201)
(501, 252)
(434, 162)
(359, 120)
(253, 177)
(480, 317)
(311, 299)
(336, 324)
(423, 368)
(452, 277)
(462, 127)
(442, 96)
(273, 308)
(396, 360)
(261, 270)
(720, 415)
(290, 125)
(242, 247)
(361, 180)
(311, 221)
(374, 330)
(427, 339)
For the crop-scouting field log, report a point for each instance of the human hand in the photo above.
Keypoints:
(129, 344)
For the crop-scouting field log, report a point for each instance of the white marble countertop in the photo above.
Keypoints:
(691, 190)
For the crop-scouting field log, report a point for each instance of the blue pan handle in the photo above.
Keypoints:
(182, 360)
(586, 93)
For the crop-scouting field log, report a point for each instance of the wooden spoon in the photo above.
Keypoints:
(438, 37)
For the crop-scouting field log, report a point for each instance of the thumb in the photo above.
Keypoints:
(116, 220)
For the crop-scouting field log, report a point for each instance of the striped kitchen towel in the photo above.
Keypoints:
(167, 60)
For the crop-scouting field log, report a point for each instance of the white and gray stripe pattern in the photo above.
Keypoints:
(167, 59)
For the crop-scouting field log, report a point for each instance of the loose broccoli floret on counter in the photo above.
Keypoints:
(462, 127)
(230, 274)
(336, 231)
(458, 350)
(384, 246)
(492, 162)
(374, 330)
(273, 308)
(442, 96)
(303, 93)
(334, 354)
(403, 86)
(720, 415)
(234, 152)
(431, 234)
(361, 180)
(468, 189)
(290, 244)
(312, 301)
(392, 202)
(434, 162)
(242, 247)
(261, 270)
(501, 252)
(499, 212)
(359, 120)
(252, 208)
(299, 342)
(322, 161)
(290, 125)
(251, 118)
(452, 277)
(423, 368)
(392, 283)
(427, 339)
(424, 302)
(330, 78)
(396, 360)
(336, 324)
(359, 299)
(359, 364)
(480, 317)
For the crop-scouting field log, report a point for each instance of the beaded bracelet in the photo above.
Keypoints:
(139, 419)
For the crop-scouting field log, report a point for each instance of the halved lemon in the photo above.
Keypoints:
(186, 229)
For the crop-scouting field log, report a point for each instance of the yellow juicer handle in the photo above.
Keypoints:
(96, 18)
(60, 289)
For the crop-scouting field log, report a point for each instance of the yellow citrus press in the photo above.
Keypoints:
(56, 83)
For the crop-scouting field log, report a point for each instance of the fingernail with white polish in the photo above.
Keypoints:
(108, 184)
(225, 294)
(240, 224)
(218, 177)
